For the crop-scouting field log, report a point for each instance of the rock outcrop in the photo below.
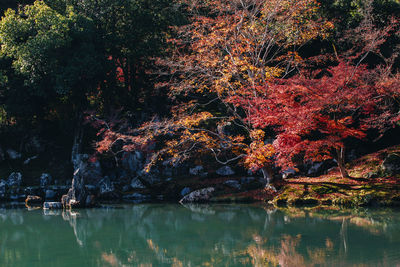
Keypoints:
(391, 164)
(15, 179)
(225, 171)
(199, 196)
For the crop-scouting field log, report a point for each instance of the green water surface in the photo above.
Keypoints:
(199, 235)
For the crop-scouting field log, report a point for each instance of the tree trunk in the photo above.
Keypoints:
(268, 175)
(341, 162)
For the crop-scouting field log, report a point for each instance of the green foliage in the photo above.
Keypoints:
(52, 51)
(64, 56)
(131, 33)
(14, 4)
(348, 14)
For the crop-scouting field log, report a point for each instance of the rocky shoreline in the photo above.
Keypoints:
(375, 182)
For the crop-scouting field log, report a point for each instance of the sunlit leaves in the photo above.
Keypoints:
(232, 50)
(314, 116)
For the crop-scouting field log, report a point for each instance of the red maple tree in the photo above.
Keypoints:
(313, 117)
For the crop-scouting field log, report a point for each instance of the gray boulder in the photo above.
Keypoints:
(151, 178)
(197, 170)
(89, 170)
(233, 183)
(185, 191)
(45, 179)
(15, 179)
(201, 195)
(288, 173)
(318, 168)
(315, 169)
(76, 196)
(93, 172)
(106, 187)
(52, 205)
(371, 175)
(137, 184)
(132, 162)
(12, 154)
(391, 164)
(225, 171)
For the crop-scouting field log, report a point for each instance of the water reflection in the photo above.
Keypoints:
(199, 235)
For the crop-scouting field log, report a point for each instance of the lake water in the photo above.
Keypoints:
(196, 235)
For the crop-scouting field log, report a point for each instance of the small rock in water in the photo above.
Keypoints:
(52, 205)
(225, 171)
(33, 200)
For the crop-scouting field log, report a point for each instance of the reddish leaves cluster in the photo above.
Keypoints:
(312, 117)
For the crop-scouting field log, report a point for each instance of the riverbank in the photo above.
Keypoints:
(375, 181)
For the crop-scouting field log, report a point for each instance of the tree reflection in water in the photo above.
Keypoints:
(199, 235)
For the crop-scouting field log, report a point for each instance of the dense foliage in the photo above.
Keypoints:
(263, 83)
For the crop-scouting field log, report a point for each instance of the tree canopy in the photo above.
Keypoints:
(262, 83)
